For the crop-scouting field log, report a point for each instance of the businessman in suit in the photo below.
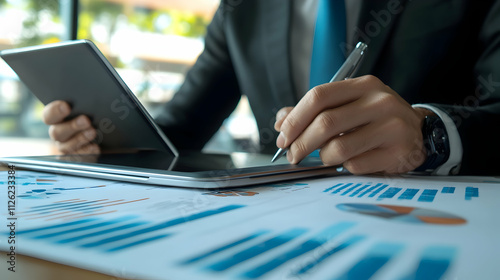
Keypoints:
(431, 64)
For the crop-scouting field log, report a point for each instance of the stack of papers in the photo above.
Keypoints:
(349, 227)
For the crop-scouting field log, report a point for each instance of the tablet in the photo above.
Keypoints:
(78, 73)
(134, 148)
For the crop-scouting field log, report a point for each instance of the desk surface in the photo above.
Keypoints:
(33, 268)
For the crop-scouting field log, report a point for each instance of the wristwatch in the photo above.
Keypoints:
(436, 143)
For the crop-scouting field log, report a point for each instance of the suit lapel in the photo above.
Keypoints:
(376, 20)
(276, 50)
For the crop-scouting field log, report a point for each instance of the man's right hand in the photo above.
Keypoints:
(72, 136)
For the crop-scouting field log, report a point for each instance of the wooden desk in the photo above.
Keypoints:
(33, 268)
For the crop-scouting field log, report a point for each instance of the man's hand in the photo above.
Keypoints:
(72, 136)
(360, 123)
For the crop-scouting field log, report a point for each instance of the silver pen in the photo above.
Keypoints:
(345, 72)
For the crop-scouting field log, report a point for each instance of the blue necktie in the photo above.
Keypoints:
(329, 34)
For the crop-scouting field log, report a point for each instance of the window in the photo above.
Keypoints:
(30, 22)
(151, 43)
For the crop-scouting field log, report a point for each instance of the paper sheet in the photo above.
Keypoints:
(349, 227)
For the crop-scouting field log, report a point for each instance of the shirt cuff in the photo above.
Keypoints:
(452, 165)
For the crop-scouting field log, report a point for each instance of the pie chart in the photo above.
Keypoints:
(231, 193)
(403, 214)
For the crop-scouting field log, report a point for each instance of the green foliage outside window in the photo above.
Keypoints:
(164, 21)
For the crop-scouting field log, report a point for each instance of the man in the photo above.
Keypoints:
(442, 57)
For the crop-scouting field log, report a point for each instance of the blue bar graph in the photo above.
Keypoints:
(341, 188)
(68, 224)
(376, 191)
(408, 194)
(375, 259)
(389, 193)
(344, 245)
(256, 250)
(356, 192)
(161, 226)
(74, 208)
(434, 263)
(87, 205)
(427, 195)
(369, 190)
(471, 192)
(448, 190)
(351, 189)
(224, 248)
(382, 191)
(333, 187)
(307, 246)
(94, 227)
(87, 227)
(135, 243)
(59, 205)
(101, 232)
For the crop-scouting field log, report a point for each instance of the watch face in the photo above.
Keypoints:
(439, 136)
(436, 143)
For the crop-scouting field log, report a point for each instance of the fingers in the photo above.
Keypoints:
(387, 160)
(361, 123)
(326, 96)
(55, 112)
(387, 146)
(81, 140)
(342, 148)
(87, 149)
(72, 136)
(327, 125)
(66, 130)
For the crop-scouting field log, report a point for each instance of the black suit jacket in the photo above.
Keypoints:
(442, 52)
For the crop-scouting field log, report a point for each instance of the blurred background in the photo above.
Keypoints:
(151, 43)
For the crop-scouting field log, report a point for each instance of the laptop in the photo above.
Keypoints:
(134, 148)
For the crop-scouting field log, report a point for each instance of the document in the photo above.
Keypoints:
(348, 227)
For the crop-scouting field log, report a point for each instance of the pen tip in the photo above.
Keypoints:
(278, 154)
(274, 158)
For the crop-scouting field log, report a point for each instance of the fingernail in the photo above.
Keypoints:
(89, 134)
(93, 149)
(63, 108)
(81, 122)
(280, 115)
(280, 141)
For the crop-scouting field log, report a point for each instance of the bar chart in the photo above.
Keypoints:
(381, 191)
(33, 185)
(347, 227)
(74, 208)
(257, 258)
(113, 235)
